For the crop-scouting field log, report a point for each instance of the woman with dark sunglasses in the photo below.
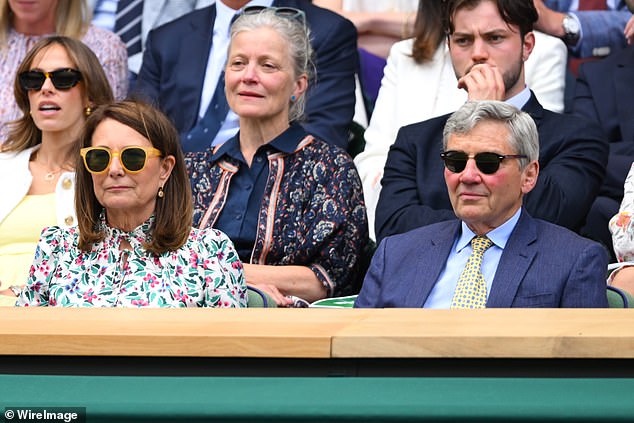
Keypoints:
(134, 245)
(291, 204)
(56, 86)
(22, 24)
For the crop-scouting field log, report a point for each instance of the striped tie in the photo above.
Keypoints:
(471, 290)
(128, 24)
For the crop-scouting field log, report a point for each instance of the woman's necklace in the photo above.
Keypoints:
(50, 175)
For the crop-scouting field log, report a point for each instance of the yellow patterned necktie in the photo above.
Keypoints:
(471, 290)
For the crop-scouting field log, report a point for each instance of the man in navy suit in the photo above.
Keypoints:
(490, 151)
(182, 66)
(488, 50)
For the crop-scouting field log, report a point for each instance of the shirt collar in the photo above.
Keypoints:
(520, 99)
(499, 236)
(286, 142)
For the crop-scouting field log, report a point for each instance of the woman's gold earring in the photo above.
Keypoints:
(87, 111)
(160, 193)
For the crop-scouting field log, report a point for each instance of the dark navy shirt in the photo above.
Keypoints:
(239, 217)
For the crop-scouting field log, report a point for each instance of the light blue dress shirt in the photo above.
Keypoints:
(442, 292)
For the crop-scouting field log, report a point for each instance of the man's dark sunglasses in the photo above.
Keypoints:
(488, 163)
(62, 79)
(286, 12)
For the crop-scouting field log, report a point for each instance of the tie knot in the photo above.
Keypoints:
(480, 244)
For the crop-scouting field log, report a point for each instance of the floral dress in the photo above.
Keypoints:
(204, 272)
(622, 225)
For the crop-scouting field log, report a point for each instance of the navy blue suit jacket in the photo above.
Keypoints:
(176, 55)
(572, 159)
(604, 93)
(543, 265)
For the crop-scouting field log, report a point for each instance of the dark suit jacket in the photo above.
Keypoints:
(176, 55)
(604, 93)
(543, 265)
(572, 158)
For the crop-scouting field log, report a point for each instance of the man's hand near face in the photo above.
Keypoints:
(483, 82)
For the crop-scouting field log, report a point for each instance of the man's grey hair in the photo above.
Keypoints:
(523, 139)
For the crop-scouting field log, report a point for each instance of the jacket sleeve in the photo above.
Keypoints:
(400, 207)
(572, 169)
(341, 228)
(370, 294)
(149, 78)
(600, 29)
(586, 286)
(331, 99)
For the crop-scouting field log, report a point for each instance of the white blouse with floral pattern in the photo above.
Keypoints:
(205, 272)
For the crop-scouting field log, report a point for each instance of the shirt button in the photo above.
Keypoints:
(258, 159)
(206, 130)
(238, 216)
(67, 183)
(69, 220)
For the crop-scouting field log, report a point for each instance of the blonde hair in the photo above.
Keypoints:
(72, 18)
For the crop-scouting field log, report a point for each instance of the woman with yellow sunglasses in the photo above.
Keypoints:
(134, 245)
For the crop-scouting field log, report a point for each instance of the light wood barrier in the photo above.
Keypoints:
(167, 365)
(398, 342)
(319, 333)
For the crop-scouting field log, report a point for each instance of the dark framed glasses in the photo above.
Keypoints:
(133, 159)
(286, 12)
(62, 79)
(487, 163)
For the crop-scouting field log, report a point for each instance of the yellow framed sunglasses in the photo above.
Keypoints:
(133, 159)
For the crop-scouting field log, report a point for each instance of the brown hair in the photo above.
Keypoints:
(521, 13)
(428, 30)
(72, 18)
(23, 133)
(173, 213)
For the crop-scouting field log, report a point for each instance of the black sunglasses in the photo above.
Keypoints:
(62, 79)
(286, 12)
(488, 163)
(133, 159)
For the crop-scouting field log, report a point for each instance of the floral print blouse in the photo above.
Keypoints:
(312, 213)
(621, 225)
(204, 272)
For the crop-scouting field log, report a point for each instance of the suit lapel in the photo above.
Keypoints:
(195, 47)
(430, 262)
(623, 84)
(516, 259)
(533, 108)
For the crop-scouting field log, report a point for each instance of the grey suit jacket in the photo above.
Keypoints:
(543, 265)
